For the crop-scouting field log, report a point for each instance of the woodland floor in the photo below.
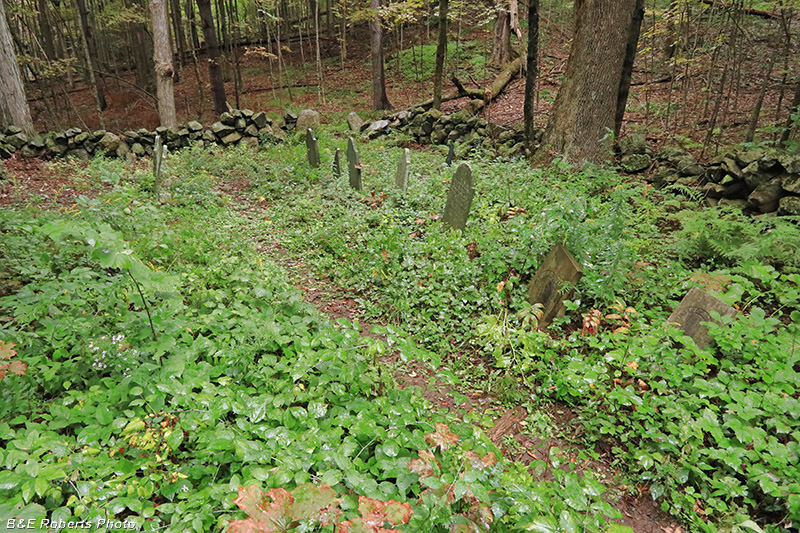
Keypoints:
(667, 103)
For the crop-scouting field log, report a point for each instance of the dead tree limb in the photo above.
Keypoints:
(747, 10)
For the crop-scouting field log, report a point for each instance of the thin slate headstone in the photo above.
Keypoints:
(337, 164)
(353, 164)
(695, 308)
(451, 153)
(459, 198)
(312, 148)
(403, 166)
(557, 269)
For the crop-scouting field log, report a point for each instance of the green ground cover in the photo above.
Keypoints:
(169, 363)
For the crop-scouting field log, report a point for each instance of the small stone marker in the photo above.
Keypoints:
(401, 177)
(312, 147)
(451, 153)
(459, 198)
(558, 267)
(353, 164)
(159, 155)
(337, 164)
(695, 308)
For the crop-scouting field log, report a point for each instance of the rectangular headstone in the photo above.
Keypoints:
(695, 308)
(337, 164)
(312, 148)
(459, 198)
(558, 268)
(403, 166)
(353, 164)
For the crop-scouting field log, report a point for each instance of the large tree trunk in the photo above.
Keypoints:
(532, 68)
(162, 57)
(46, 30)
(13, 105)
(501, 47)
(582, 119)
(379, 98)
(91, 56)
(627, 65)
(212, 47)
(441, 49)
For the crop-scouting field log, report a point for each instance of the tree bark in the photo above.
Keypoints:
(91, 56)
(212, 47)
(501, 46)
(583, 114)
(627, 65)
(180, 34)
(793, 110)
(162, 57)
(13, 105)
(441, 50)
(379, 98)
(532, 68)
(48, 44)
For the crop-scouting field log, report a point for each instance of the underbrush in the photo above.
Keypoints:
(713, 431)
(168, 366)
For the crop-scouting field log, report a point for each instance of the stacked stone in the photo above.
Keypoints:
(757, 181)
(234, 127)
(435, 127)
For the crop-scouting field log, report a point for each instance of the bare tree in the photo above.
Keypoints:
(162, 57)
(441, 50)
(532, 68)
(379, 98)
(13, 105)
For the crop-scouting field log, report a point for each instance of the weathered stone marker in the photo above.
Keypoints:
(451, 153)
(459, 198)
(401, 177)
(337, 164)
(695, 308)
(312, 148)
(353, 164)
(159, 155)
(558, 268)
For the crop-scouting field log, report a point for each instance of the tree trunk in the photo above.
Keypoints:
(379, 98)
(627, 65)
(212, 47)
(441, 50)
(91, 56)
(162, 57)
(532, 68)
(583, 114)
(48, 44)
(180, 35)
(794, 110)
(13, 105)
(501, 47)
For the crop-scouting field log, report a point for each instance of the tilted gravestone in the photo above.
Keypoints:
(459, 198)
(353, 164)
(312, 148)
(695, 308)
(403, 166)
(557, 269)
(337, 164)
(451, 154)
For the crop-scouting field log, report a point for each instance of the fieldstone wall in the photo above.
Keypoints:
(757, 181)
(237, 126)
(435, 127)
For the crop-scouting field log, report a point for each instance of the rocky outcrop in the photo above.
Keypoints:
(234, 127)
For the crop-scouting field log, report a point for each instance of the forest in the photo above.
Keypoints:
(400, 265)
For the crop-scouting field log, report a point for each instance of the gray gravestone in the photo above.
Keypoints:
(558, 268)
(353, 165)
(459, 198)
(695, 308)
(451, 153)
(337, 164)
(312, 147)
(401, 177)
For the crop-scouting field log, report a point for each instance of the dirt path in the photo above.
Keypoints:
(508, 429)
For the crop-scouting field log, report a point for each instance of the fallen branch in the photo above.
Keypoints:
(748, 10)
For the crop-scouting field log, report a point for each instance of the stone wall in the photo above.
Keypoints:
(237, 126)
(757, 181)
